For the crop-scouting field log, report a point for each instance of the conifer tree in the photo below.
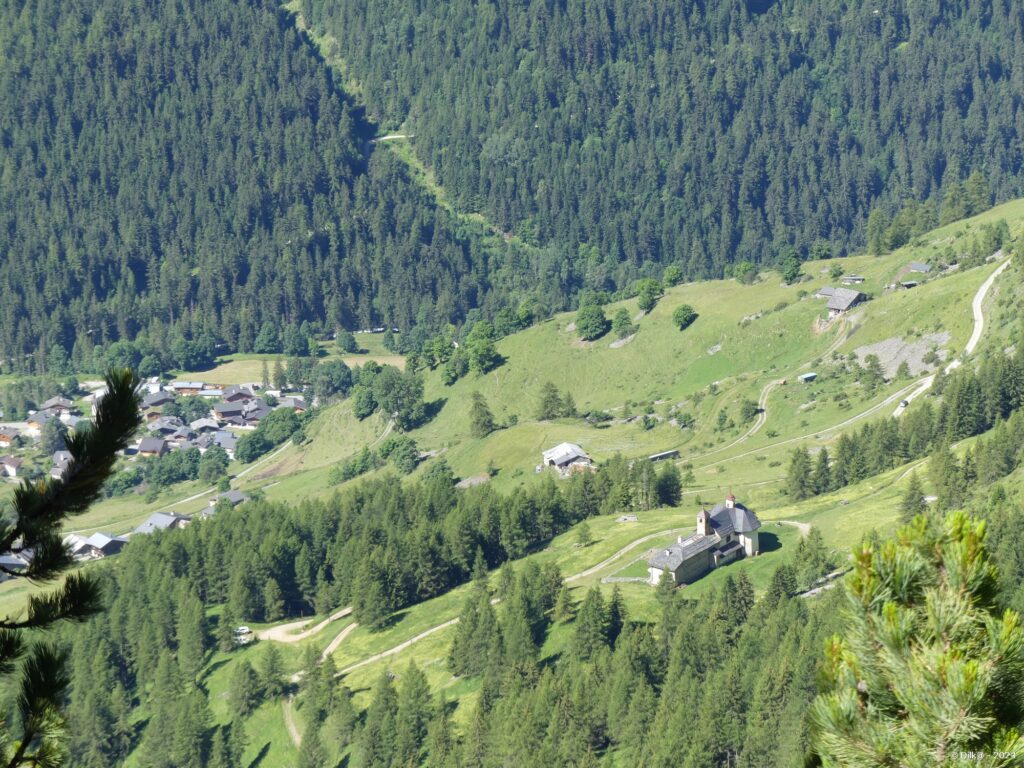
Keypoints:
(913, 502)
(312, 753)
(821, 481)
(929, 667)
(481, 420)
(591, 628)
(413, 717)
(244, 692)
(272, 672)
(798, 480)
(618, 616)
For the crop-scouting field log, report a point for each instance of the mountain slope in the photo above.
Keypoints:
(692, 133)
(194, 166)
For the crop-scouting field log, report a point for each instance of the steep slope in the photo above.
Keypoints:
(193, 166)
(689, 132)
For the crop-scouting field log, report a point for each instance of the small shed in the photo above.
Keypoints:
(919, 266)
(672, 454)
(807, 378)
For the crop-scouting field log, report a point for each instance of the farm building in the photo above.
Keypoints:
(918, 266)
(566, 458)
(843, 300)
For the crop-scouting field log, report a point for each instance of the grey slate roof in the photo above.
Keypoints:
(741, 519)
(152, 445)
(919, 266)
(157, 399)
(159, 521)
(675, 555)
(724, 521)
(844, 298)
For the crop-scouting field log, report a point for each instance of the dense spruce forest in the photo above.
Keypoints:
(192, 166)
(191, 172)
(637, 134)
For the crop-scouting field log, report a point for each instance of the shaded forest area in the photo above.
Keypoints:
(190, 171)
(637, 134)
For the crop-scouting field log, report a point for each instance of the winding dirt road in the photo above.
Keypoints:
(977, 308)
(293, 632)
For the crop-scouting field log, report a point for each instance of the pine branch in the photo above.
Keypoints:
(78, 598)
(42, 506)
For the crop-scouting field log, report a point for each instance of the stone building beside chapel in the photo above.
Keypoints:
(726, 533)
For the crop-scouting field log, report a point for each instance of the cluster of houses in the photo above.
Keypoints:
(842, 300)
(236, 408)
(101, 544)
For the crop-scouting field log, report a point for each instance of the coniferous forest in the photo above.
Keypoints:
(193, 166)
(701, 134)
(180, 180)
(195, 171)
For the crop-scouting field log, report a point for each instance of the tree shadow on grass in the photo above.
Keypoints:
(768, 542)
(258, 760)
(210, 670)
(432, 408)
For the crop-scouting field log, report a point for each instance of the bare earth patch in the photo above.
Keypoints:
(892, 352)
(622, 342)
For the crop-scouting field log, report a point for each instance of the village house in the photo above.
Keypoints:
(166, 425)
(843, 300)
(163, 521)
(567, 458)
(825, 292)
(59, 405)
(237, 394)
(225, 411)
(60, 459)
(10, 465)
(726, 533)
(297, 404)
(670, 454)
(852, 279)
(211, 393)
(8, 435)
(94, 397)
(152, 447)
(919, 266)
(204, 425)
(232, 498)
(187, 387)
(35, 422)
(157, 399)
(96, 547)
(12, 563)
